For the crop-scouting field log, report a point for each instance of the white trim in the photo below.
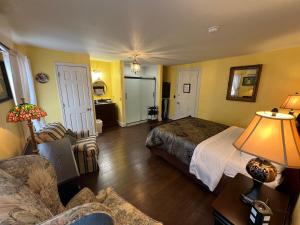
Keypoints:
(198, 70)
(57, 64)
(136, 123)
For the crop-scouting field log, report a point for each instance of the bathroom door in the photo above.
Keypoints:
(75, 95)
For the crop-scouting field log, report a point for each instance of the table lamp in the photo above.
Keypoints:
(292, 103)
(271, 137)
(26, 112)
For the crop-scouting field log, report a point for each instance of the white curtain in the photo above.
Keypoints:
(21, 82)
(13, 72)
(28, 90)
(235, 85)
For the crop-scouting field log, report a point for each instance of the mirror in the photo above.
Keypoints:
(243, 83)
(99, 88)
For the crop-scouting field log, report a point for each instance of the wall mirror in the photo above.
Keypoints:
(243, 83)
(99, 88)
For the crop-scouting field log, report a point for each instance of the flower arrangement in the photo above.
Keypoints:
(25, 112)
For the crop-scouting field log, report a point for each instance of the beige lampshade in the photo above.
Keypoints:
(274, 138)
(292, 102)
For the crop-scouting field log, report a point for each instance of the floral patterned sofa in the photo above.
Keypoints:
(84, 145)
(29, 195)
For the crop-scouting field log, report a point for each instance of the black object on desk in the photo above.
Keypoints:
(229, 209)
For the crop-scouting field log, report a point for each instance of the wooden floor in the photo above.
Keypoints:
(147, 181)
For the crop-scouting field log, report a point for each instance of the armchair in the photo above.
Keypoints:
(84, 145)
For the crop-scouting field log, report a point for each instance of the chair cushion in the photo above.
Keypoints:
(18, 205)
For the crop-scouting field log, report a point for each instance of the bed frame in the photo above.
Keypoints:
(290, 184)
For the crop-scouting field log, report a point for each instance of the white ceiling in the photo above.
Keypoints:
(163, 31)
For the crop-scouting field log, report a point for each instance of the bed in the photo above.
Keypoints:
(203, 151)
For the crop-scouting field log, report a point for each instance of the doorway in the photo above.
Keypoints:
(187, 93)
(74, 84)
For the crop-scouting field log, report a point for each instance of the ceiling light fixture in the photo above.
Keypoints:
(213, 29)
(135, 66)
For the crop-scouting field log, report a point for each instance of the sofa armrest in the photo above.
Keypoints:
(82, 134)
(72, 215)
(38, 174)
(83, 197)
(21, 166)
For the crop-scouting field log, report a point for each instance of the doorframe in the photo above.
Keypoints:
(56, 65)
(198, 70)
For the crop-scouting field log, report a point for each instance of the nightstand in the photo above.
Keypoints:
(229, 209)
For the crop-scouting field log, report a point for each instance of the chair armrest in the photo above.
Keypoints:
(72, 215)
(82, 134)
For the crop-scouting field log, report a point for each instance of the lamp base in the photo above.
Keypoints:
(250, 196)
(261, 171)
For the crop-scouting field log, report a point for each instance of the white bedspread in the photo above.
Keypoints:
(211, 156)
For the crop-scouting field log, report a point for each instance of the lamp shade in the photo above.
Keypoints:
(273, 137)
(25, 112)
(292, 102)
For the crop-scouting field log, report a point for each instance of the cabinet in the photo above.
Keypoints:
(229, 209)
(107, 113)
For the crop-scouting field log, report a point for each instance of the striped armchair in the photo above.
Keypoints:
(84, 146)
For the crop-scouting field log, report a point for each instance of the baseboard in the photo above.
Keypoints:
(122, 124)
(136, 123)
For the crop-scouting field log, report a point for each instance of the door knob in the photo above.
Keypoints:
(178, 103)
(89, 109)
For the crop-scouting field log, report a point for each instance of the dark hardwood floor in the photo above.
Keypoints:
(146, 181)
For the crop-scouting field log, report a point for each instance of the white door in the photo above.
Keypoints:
(139, 95)
(132, 100)
(147, 96)
(75, 94)
(187, 94)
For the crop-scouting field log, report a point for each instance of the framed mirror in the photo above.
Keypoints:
(243, 83)
(99, 88)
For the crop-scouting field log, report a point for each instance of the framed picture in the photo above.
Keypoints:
(249, 81)
(186, 88)
(5, 91)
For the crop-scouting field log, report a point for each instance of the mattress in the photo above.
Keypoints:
(180, 137)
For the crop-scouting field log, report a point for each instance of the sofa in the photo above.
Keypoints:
(28, 195)
(84, 146)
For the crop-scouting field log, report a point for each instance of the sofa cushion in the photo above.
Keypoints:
(122, 211)
(52, 132)
(18, 205)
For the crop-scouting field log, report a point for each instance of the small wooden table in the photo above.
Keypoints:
(229, 209)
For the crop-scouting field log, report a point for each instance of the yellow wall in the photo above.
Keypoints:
(117, 84)
(159, 89)
(280, 77)
(43, 60)
(296, 214)
(105, 69)
(11, 136)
